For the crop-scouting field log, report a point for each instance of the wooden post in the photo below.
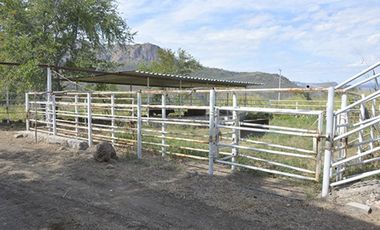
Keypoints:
(342, 122)
(76, 111)
(89, 120)
(27, 108)
(7, 105)
(54, 121)
(318, 147)
(113, 118)
(212, 135)
(163, 124)
(361, 132)
(236, 132)
(373, 113)
(139, 124)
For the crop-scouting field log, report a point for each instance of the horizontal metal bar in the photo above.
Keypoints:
(271, 110)
(357, 129)
(268, 151)
(267, 170)
(269, 131)
(278, 146)
(277, 164)
(355, 156)
(357, 177)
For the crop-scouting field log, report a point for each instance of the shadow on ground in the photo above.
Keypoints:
(46, 188)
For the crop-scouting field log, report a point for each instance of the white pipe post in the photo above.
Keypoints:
(139, 124)
(163, 124)
(54, 120)
(236, 132)
(211, 147)
(113, 118)
(329, 142)
(89, 119)
(27, 108)
(76, 111)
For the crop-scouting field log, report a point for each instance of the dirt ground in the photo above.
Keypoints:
(46, 187)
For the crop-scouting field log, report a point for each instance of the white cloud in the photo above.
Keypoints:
(298, 36)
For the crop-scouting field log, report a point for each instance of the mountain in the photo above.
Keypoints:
(130, 57)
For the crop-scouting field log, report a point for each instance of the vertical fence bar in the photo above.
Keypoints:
(27, 108)
(76, 111)
(89, 119)
(235, 132)
(139, 124)
(113, 118)
(54, 116)
(329, 142)
(163, 124)
(211, 133)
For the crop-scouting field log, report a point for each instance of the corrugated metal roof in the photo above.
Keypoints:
(143, 78)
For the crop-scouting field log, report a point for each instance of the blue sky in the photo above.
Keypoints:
(311, 41)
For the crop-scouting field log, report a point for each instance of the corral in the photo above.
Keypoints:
(232, 130)
(174, 122)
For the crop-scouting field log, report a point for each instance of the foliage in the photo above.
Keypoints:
(181, 63)
(60, 33)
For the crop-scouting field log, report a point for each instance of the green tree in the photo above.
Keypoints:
(56, 32)
(181, 63)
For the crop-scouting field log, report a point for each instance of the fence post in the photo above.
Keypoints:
(139, 124)
(89, 119)
(211, 133)
(76, 111)
(163, 128)
(54, 116)
(113, 118)
(236, 132)
(329, 142)
(27, 108)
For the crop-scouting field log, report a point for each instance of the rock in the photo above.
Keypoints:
(360, 207)
(110, 166)
(19, 135)
(104, 152)
(77, 144)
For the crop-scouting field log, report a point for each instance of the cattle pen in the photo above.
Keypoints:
(334, 142)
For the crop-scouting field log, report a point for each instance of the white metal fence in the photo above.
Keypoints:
(215, 126)
(174, 123)
(352, 132)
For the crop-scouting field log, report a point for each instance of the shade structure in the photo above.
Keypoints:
(140, 78)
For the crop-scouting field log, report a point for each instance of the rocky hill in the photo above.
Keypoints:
(130, 57)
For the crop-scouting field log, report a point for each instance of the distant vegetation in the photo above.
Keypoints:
(64, 33)
(181, 63)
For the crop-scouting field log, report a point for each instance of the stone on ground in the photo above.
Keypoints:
(104, 152)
